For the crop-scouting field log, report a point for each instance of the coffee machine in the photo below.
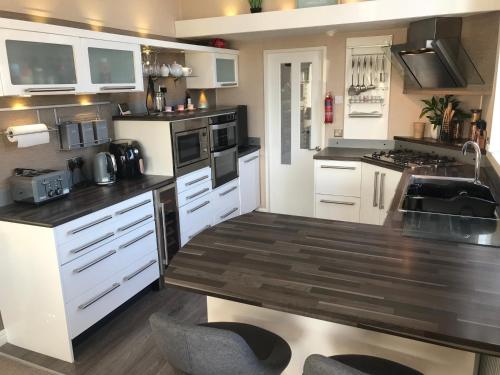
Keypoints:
(129, 158)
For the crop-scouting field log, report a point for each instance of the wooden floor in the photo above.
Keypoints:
(124, 345)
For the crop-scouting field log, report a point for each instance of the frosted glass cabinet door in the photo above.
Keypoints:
(226, 70)
(112, 66)
(32, 63)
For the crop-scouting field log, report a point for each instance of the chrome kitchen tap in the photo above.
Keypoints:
(478, 158)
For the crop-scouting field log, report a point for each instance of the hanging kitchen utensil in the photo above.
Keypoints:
(352, 90)
(382, 71)
(363, 86)
(358, 86)
(377, 69)
(371, 86)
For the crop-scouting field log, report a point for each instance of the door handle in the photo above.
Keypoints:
(317, 148)
(375, 189)
(382, 184)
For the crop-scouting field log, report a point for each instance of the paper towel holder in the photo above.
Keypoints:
(49, 129)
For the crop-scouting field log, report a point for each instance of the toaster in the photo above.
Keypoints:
(38, 185)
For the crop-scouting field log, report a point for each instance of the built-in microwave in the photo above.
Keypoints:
(190, 145)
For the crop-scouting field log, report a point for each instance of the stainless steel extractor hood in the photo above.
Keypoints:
(433, 56)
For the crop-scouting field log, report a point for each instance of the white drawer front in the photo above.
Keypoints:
(95, 304)
(193, 179)
(95, 267)
(337, 208)
(337, 177)
(226, 202)
(192, 194)
(195, 217)
(83, 235)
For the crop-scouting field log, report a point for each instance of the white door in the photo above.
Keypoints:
(294, 90)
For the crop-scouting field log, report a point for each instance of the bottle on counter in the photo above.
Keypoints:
(481, 134)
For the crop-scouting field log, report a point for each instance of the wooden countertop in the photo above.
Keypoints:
(80, 202)
(360, 275)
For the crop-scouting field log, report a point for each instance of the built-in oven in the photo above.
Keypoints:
(224, 166)
(223, 131)
(190, 145)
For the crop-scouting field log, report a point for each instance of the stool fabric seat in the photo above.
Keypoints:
(354, 364)
(219, 348)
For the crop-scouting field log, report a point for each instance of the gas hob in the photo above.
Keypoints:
(405, 158)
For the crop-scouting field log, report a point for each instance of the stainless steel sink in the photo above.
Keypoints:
(448, 196)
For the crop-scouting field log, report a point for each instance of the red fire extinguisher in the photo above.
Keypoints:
(329, 108)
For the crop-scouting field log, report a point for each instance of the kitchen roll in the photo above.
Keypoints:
(28, 135)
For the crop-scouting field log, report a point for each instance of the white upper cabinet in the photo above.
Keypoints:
(33, 63)
(111, 66)
(212, 70)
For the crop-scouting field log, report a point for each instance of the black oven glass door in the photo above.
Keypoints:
(223, 136)
(189, 148)
(224, 166)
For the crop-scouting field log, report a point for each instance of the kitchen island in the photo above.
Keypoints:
(269, 269)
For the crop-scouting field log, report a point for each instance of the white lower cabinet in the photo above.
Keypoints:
(333, 207)
(378, 187)
(195, 217)
(226, 200)
(249, 171)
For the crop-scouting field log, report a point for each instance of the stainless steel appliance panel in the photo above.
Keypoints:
(224, 166)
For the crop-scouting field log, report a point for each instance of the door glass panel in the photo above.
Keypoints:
(226, 71)
(286, 113)
(305, 105)
(111, 66)
(33, 63)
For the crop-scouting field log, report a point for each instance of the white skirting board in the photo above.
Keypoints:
(307, 336)
(3, 337)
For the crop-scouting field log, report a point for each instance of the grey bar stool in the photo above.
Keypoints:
(354, 364)
(219, 348)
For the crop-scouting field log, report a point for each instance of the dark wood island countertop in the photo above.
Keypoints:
(366, 276)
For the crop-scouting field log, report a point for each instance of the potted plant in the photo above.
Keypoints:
(434, 110)
(255, 6)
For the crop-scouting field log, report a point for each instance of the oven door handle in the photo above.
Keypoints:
(225, 152)
(223, 126)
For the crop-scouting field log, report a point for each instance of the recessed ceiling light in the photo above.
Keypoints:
(331, 32)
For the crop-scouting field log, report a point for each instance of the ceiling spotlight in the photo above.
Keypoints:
(331, 33)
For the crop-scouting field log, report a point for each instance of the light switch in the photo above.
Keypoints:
(338, 133)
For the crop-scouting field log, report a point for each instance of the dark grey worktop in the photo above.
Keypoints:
(80, 202)
(367, 276)
(175, 116)
(354, 154)
(247, 149)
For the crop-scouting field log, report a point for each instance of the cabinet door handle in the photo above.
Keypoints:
(140, 270)
(90, 225)
(228, 84)
(229, 213)
(98, 297)
(197, 180)
(92, 243)
(108, 88)
(228, 191)
(198, 207)
(337, 202)
(198, 193)
(382, 186)
(94, 262)
(338, 167)
(164, 229)
(197, 233)
(49, 89)
(375, 189)
(140, 204)
(128, 226)
(131, 242)
(251, 159)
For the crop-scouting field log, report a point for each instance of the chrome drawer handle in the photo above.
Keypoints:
(137, 239)
(98, 297)
(92, 243)
(107, 88)
(90, 225)
(125, 210)
(50, 89)
(198, 193)
(337, 202)
(338, 167)
(142, 269)
(198, 207)
(228, 191)
(197, 233)
(94, 262)
(228, 84)
(229, 213)
(251, 159)
(128, 226)
(382, 197)
(375, 189)
(195, 181)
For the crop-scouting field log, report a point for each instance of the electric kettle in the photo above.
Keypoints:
(104, 168)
